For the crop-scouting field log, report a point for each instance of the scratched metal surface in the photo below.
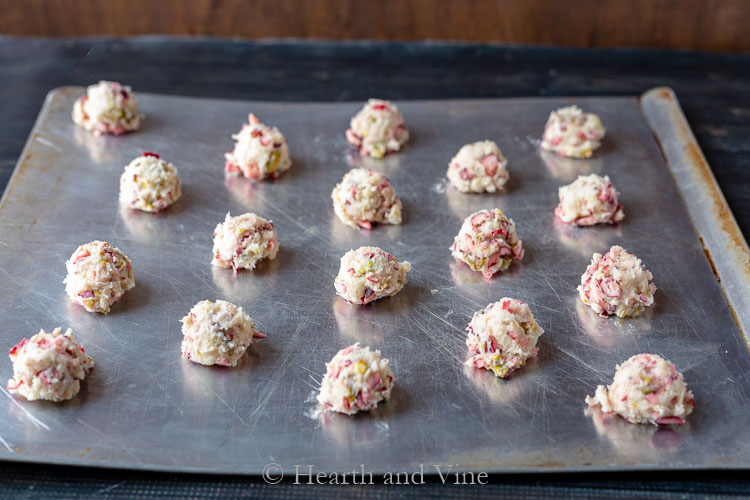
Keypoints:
(145, 407)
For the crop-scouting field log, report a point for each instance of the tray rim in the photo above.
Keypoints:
(723, 243)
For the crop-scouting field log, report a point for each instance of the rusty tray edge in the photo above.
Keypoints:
(725, 247)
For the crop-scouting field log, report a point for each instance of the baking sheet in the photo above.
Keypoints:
(144, 407)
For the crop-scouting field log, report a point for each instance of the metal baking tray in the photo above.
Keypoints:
(143, 407)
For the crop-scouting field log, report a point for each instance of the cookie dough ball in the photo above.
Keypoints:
(487, 242)
(573, 133)
(365, 196)
(616, 283)
(646, 389)
(217, 333)
(377, 129)
(261, 152)
(49, 366)
(241, 242)
(107, 108)
(590, 199)
(356, 379)
(502, 336)
(99, 274)
(369, 273)
(478, 168)
(149, 184)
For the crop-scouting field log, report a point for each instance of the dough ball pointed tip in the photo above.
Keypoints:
(260, 152)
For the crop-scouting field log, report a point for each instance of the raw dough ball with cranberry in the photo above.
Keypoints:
(377, 129)
(369, 273)
(646, 389)
(503, 336)
(107, 108)
(590, 199)
(477, 168)
(356, 379)
(261, 152)
(616, 283)
(573, 133)
(99, 274)
(241, 242)
(365, 196)
(149, 184)
(217, 333)
(49, 366)
(487, 242)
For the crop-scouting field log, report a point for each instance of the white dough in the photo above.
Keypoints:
(369, 273)
(149, 184)
(503, 336)
(356, 379)
(261, 152)
(241, 242)
(365, 196)
(107, 108)
(477, 168)
(99, 274)
(217, 333)
(616, 283)
(646, 389)
(590, 199)
(487, 242)
(377, 129)
(573, 133)
(49, 366)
